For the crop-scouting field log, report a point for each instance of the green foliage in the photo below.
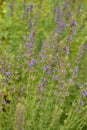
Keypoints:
(43, 79)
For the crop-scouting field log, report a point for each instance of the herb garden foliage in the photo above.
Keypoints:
(43, 65)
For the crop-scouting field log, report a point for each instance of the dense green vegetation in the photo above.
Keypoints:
(43, 59)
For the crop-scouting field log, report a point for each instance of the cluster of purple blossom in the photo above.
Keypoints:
(49, 73)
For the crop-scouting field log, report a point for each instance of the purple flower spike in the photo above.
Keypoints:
(77, 68)
(47, 68)
(48, 72)
(43, 84)
(58, 11)
(67, 50)
(76, 71)
(56, 77)
(7, 73)
(27, 8)
(32, 34)
(74, 23)
(5, 102)
(84, 93)
(3, 70)
(44, 44)
(70, 38)
(42, 57)
(31, 7)
(60, 22)
(81, 103)
(32, 63)
(11, 6)
(85, 46)
(65, 4)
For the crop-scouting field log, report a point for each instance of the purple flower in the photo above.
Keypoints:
(42, 51)
(32, 34)
(32, 63)
(81, 86)
(48, 72)
(84, 93)
(11, 9)
(85, 83)
(7, 74)
(28, 44)
(76, 70)
(67, 50)
(43, 84)
(64, 6)
(56, 77)
(44, 44)
(60, 22)
(81, 103)
(31, 7)
(58, 11)
(70, 14)
(30, 23)
(27, 8)
(5, 102)
(74, 23)
(85, 46)
(47, 68)
(42, 57)
(3, 70)
(2, 63)
(11, 6)
(70, 38)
